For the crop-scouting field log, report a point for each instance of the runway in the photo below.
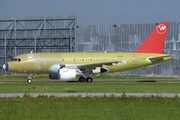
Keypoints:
(90, 94)
(100, 81)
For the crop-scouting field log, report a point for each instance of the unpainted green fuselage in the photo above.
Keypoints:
(41, 63)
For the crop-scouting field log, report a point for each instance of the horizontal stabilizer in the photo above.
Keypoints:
(159, 58)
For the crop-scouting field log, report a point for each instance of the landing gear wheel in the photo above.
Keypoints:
(89, 79)
(81, 79)
(29, 81)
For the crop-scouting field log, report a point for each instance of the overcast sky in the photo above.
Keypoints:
(97, 12)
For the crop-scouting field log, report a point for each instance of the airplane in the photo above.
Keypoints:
(68, 66)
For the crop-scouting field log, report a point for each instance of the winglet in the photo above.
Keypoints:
(155, 41)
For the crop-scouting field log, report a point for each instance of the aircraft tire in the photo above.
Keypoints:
(81, 79)
(29, 81)
(89, 79)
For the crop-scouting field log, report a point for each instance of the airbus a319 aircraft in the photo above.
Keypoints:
(68, 66)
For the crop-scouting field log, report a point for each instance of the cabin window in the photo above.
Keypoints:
(74, 59)
(19, 60)
(82, 59)
(90, 59)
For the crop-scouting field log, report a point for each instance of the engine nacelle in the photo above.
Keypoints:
(67, 74)
(64, 73)
(54, 72)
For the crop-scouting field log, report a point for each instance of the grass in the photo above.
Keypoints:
(89, 108)
(18, 84)
(96, 108)
(90, 87)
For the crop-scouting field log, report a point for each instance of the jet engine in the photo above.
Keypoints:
(54, 72)
(99, 70)
(64, 73)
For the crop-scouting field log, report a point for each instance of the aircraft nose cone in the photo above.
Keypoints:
(5, 66)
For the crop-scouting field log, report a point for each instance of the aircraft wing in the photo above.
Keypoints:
(87, 68)
(93, 66)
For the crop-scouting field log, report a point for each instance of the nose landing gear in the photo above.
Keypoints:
(29, 79)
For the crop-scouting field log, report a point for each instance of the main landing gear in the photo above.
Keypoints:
(88, 79)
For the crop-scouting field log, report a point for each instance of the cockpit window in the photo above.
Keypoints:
(16, 59)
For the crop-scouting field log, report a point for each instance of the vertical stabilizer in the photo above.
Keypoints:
(155, 41)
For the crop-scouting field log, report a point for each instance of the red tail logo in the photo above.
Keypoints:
(155, 41)
(161, 29)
